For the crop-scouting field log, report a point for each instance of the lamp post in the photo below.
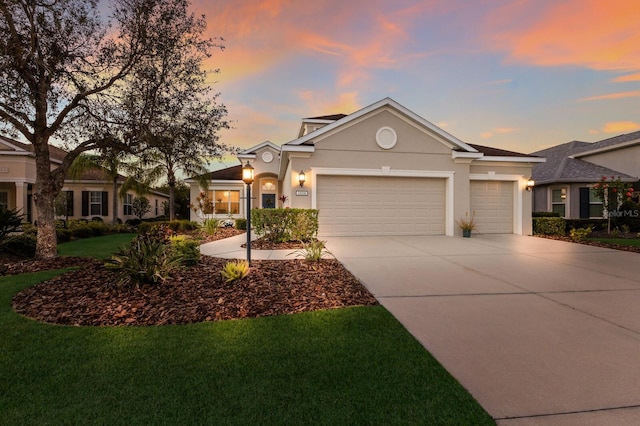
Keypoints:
(247, 177)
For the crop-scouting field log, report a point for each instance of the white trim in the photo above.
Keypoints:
(514, 159)
(518, 190)
(298, 148)
(613, 147)
(18, 180)
(260, 146)
(387, 171)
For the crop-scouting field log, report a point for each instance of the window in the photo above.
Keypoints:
(128, 204)
(4, 200)
(95, 203)
(225, 201)
(558, 198)
(595, 204)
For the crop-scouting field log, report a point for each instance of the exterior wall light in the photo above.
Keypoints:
(301, 178)
(247, 177)
(530, 184)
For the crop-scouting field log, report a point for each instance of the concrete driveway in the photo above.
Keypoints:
(541, 332)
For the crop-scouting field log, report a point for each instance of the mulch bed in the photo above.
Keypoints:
(89, 296)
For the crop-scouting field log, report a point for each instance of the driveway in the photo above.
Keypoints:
(541, 332)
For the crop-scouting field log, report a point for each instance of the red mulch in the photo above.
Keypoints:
(89, 296)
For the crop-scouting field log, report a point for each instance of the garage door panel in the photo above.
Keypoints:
(492, 202)
(380, 205)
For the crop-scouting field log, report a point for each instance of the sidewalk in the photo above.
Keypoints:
(231, 248)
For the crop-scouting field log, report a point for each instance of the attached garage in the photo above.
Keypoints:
(380, 205)
(492, 202)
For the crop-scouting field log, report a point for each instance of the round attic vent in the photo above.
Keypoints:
(267, 157)
(386, 137)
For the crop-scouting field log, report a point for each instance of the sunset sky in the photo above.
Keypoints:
(514, 74)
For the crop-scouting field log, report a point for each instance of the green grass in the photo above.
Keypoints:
(98, 247)
(342, 366)
(620, 241)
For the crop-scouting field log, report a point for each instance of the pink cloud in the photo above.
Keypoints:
(620, 127)
(601, 35)
(627, 78)
(619, 95)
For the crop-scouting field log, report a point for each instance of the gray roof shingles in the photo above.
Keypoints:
(560, 167)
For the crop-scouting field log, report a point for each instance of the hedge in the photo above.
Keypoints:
(549, 226)
(282, 225)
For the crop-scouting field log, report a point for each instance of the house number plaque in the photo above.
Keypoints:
(302, 193)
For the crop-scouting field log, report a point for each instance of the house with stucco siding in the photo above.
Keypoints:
(382, 170)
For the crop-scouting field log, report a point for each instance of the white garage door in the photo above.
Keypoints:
(493, 203)
(364, 205)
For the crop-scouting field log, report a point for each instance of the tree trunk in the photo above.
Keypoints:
(114, 199)
(172, 203)
(48, 185)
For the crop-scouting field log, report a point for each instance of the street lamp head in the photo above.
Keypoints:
(247, 173)
(301, 178)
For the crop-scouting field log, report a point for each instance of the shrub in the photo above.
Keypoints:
(63, 235)
(98, 228)
(82, 231)
(145, 227)
(147, 260)
(97, 219)
(210, 225)
(241, 224)
(594, 224)
(10, 221)
(186, 248)
(549, 226)
(133, 222)
(312, 251)
(23, 245)
(235, 271)
(579, 234)
(280, 225)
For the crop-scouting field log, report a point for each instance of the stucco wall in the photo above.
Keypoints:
(625, 160)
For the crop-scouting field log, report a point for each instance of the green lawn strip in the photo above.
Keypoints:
(99, 247)
(342, 366)
(620, 241)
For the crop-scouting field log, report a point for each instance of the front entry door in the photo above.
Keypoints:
(268, 201)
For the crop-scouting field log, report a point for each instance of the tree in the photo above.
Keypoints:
(181, 194)
(140, 206)
(61, 65)
(613, 192)
(169, 93)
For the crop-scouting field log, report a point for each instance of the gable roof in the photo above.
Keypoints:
(229, 173)
(562, 166)
(56, 154)
(386, 102)
(250, 153)
(610, 144)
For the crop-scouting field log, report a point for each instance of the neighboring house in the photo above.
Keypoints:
(382, 170)
(564, 183)
(87, 197)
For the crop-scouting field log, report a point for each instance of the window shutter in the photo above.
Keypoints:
(69, 203)
(584, 203)
(85, 203)
(105, 203)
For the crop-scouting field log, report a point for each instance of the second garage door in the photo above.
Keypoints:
(493, 203)
(364, 205)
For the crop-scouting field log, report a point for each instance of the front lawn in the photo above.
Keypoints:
(98, 247)
(634, 242)
(342, 366)
(354, 365)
